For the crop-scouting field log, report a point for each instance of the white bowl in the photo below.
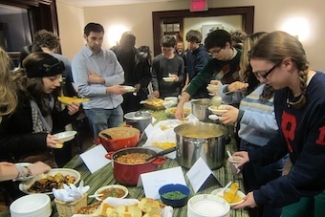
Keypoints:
(31, 206)
(207, 205)
(173, 99)
(112, 186)
(217, 110)
(65, 136)
(168, 79)
(238, 194)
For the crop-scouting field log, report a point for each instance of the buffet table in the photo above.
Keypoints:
(104, 176)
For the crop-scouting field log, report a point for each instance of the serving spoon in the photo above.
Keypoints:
(216, 100)
(161, 153)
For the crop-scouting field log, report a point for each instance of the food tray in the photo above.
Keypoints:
(152, 107)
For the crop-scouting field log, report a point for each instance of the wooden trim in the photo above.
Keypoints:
(158, 17)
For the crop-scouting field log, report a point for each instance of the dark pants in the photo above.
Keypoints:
(255, 176)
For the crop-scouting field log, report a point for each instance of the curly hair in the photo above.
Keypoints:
(44, 38)
(8, 96)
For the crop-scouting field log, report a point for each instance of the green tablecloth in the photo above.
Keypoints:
(104, 176)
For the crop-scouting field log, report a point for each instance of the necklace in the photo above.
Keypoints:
(293, 100)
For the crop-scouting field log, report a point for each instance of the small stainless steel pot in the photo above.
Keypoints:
(200, 108)
(205, 140)
(139, 119)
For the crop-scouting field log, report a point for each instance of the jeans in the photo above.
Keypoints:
(101, 119)
(255, 176)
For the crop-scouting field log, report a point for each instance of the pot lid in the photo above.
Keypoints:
(139, 115)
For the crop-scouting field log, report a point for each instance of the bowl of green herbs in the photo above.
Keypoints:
(175, 195)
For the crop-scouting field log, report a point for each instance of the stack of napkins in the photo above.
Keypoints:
(70, 193)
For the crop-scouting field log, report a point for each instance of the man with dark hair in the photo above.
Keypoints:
(167, 70)
(197, 57)
(98, 76)
(136, 72)
(223, 66)
(50, 43)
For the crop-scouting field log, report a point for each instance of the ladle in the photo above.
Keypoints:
(216, 100)
(161, 153)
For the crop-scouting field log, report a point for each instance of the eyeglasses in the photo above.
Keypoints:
(259, 75)
(215, 51)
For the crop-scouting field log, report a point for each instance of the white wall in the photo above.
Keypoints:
(228, 23)
(71, 24)
(269, 16)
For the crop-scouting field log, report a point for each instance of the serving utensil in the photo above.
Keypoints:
(216, 100)
(222, 191)
(161, 153)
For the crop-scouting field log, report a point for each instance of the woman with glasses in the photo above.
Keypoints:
(257, 123)
(279, 60)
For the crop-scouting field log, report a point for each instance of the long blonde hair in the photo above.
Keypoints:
(279, 45)
(8, 96)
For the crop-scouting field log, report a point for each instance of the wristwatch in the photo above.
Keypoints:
(22, 174)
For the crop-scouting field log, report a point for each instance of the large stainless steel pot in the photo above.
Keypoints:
(139, 120)
(200, 108)
(205, 140)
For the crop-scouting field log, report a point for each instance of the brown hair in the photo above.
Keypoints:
(8, 96)
(44, 38)
(279, 45)
(245, 72)
(33, 87)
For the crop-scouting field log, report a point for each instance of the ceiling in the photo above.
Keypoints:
(93, 3)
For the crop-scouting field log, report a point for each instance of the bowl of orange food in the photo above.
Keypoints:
(117, 191)
(232, 195)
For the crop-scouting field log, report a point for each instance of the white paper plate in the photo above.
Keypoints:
(25, 185)
(23, 164)
(112, 186)
(207, 205)
(129, 88)
(65, 136)
(168, 79)
(239, 194)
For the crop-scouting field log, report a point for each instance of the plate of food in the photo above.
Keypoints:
(44, 183)
(129, 88)
(154, 103)
(237, 199)
(69, 100)
(171, 112)
(117, 191)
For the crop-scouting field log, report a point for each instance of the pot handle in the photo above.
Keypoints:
(159, 160)
(109, 155)
(106, 136)
(226, 139)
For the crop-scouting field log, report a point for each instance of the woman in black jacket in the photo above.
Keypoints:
(26, 134)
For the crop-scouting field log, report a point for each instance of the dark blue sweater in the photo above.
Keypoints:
(302, 135)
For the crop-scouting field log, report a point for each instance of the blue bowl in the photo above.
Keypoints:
(172, 188)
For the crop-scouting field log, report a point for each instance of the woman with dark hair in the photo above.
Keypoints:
(26, 134)
(279, 60)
